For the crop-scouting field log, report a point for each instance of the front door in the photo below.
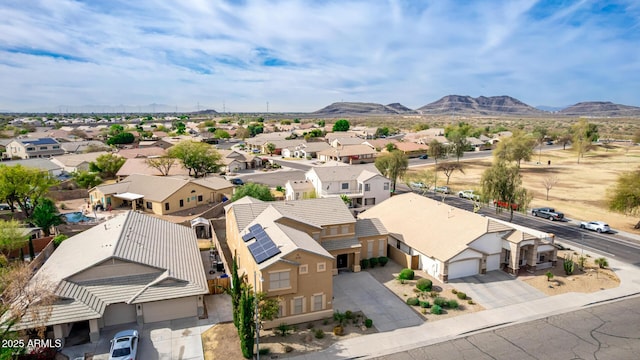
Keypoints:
(342, 261)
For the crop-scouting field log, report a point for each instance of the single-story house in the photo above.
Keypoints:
(350, 154)
(449, 243)
(76, 162)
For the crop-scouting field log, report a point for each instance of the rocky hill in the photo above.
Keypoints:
(360, 108)
(494, 105)
(600, 109)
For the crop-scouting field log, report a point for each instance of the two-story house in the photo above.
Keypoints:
(362, 187)
(293, 248)
(33, 148)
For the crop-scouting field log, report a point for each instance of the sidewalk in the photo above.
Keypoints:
(385, 343)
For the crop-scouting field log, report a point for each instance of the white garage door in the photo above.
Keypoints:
(493, 262)
(170, 309)
(119, 313)
(463, 268)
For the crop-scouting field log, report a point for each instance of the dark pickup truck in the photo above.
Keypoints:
(548, 213)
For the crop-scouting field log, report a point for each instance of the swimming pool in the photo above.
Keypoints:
(76, 217)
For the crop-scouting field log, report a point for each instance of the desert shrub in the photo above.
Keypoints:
(325, 321)
(424, 284)
(454, 291)
(424, 311)
(440, 301)
(349, 314)
(383, 260)
(309, 326)
(264, 351)
(373, 262)
(602, 262)
(452, 304)
(436, 309)
(364, 263)
(568, 266)
(319, 333)
(549, 275)
(368, 323)
(338, 330)
(581, 262)
(339, 317)
(470, 302)
(406, 274)
(288, 349)
(283, 329)
(424, 304)
(433, 294)
(58, 239)
(461, 295)
(413, 301)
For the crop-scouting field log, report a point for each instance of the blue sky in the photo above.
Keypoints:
(303, 55)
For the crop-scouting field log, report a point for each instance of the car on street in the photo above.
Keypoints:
(506, 205)
(124, 345)
(417, 185)
(547, 213)
(468, 194)
(442, 189)
(5, 207)
(237, 181)
(598, 226)
(423, 157)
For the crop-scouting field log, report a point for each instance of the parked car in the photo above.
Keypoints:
(599, 226)
(469, 194)
(124, 345)
(442, 189)
(423, 157)
(547, 212)
(505, 205)
(5, 207)
(418, 185)
(237, 181)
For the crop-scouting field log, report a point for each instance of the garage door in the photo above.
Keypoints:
(493, 262)
(170, 309)
(463, 268)
(119, 313)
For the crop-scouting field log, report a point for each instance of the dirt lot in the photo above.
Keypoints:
(581, 189)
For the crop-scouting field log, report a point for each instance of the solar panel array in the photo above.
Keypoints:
(263, 248)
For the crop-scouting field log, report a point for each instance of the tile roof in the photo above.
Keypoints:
(341, 244)
(77, 159)
(341, 173)
(370, 227)
(159, 188)
(139, 166)
(142, 152)
(348, 150)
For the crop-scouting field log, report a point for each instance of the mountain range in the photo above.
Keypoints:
(482, 105)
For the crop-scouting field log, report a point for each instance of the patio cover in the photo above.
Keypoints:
(129, 196)
(199, 221)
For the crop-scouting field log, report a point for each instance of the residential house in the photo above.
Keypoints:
(365, 132)
(71, 163)
(449, 243)
(235, 161)
(44, 165)
(158, 143)
(350, 154)
(79, 147)
(140, 166)
(256, 144)
(477, 144)
(142, 152)
(379, 144)
(345, 141)
(131, 268)
(305, 149)
(295, 248)
(33, 148)
(410, 149)
(161, 195)
(362, 187)
(330, 136)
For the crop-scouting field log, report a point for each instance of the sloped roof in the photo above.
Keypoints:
(40, 141)
(370, 227)
(140, 166)
(77, 159)
(142, 152)
(348, 150)
(341, 173)
(133, 237)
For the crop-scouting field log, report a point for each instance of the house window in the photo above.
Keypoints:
(334, 230)
(386, 186)
(367, 187)
(303, 269)
(345, 186)
(369, 249)
(181, 203)
(31, 149)
(43, 148)
(321, 267)
(298, 305)
(166, 206)
(279, 280)
(200, 198)
(345, 229)
(318, 304)
(381, 247)
(149, 206)
(56, 147)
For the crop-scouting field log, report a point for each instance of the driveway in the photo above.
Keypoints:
(361, 292)
(164, 340)
(496, 289)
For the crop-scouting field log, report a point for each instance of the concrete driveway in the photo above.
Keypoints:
(361, 292)
(496, 289)
(164, 340)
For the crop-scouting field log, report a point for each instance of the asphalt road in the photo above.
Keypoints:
(607, 331)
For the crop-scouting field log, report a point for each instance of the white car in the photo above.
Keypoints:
(124, 345)
(417, 185)
(469, 194)
(599, 226)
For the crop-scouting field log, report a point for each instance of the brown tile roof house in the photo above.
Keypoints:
(142, 152)
(132, 268)
(353, 154)
(450, 243)
(305, 244)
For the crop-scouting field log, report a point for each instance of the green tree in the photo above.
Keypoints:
(583, 134)
(517, 147)
(271, 148)
(115, 129)
(242, 133)
(12, 235)
(24, 186)
(436, 151)
(503, 182)
(107, 165)
(179, 127)
(255, 129)
(45, 215)
(235, 292)
(341, 125)
(163, 164)
(86, 179)
(624, 196)
(382, 132)
(457, 136)
(390, 147)
(392, 165)
(123, 138)
(254, 190)
(246, 324)
(449, 167)
(540, 134)
(221, 134)
(197, 157)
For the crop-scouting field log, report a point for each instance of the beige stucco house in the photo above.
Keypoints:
(132, 268)
(449, 243)
(33, 148)
(296, 247)
(161, 195)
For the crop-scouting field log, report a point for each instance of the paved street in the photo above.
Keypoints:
(608, 331)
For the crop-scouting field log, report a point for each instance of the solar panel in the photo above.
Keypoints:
(263, 248)
(248, 236)
(255, 228)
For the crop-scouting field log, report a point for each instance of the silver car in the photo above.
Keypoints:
(124, 345)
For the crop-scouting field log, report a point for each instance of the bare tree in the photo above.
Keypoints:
(448, 168)
(162, 164)
(549, 182)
